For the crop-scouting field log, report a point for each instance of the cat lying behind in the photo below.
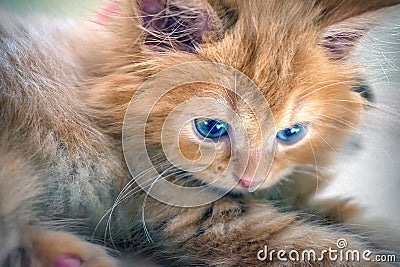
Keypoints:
(276, 99)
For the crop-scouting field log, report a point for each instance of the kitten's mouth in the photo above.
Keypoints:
(233, 185)
(241, 186)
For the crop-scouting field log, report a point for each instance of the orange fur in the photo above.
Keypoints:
(65, 122)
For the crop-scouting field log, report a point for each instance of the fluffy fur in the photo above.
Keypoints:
(62, 107)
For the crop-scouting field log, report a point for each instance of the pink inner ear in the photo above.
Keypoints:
(173, 24)
(105, 13)
(68, 261)
(340, 44)
(152, 7)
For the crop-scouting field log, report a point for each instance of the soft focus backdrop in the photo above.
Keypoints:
(372, 174)
(76, 8)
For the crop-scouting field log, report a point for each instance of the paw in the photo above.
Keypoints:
(60, 249)
(67, 261)
(337, 210)
(72, 261)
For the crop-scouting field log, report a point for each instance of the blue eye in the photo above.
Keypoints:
(292, 135)
(212, 129)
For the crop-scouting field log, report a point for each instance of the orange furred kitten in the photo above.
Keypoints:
(182, 132)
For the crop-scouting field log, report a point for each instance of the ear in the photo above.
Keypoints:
(346, 22)
(176, 24)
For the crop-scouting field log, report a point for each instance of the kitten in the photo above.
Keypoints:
(63, 106)
(48, 146)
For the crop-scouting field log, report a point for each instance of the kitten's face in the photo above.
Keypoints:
(295, 56)
(309, 122)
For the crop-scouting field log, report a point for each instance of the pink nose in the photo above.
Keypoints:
(249, 178)
(249, 182)
(67, 261)
(245, 183)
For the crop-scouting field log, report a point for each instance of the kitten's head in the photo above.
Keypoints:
(295, 52)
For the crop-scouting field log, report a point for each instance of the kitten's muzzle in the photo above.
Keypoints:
(253, 174)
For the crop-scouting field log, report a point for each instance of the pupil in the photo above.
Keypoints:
(292, 131)
(213, 126)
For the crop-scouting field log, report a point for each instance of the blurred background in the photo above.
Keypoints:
(370, 174)
(75, 8)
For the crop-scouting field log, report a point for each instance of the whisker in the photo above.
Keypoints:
(316, 168)
(379, 107)
(325, 141)
(121, 197)
(144, 204)
(355, 131)
(323, 87)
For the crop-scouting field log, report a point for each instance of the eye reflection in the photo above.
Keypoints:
(211, 128)
(292, 135)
